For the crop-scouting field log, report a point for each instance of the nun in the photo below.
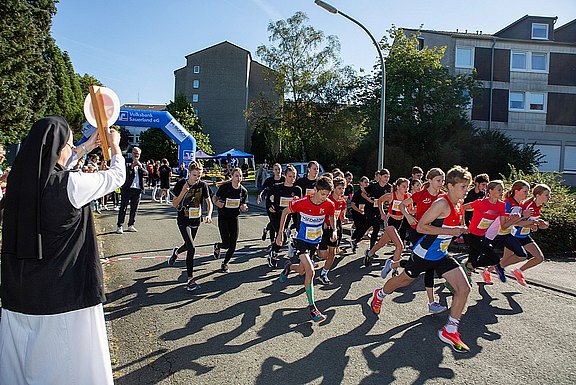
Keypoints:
(52, 328)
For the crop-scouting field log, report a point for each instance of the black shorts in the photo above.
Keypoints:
(526, 241)
(326, 242)
(303, 247)
(511, 243)
(395, 223)
(416, 265)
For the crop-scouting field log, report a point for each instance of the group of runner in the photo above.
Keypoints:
(425, 215)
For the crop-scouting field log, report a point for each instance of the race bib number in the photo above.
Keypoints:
(313, 233)
(337, 213)
(485, 223)
(525, 231)
(375, 203)
(396, 205)
(284, 201)
(309, 191)
(194, 212)
(444, 245)
(361, 206)
(232, 203)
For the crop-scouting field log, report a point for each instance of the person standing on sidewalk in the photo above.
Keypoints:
(131, 191)
(52, 329)
(230, 198)
(188, 196)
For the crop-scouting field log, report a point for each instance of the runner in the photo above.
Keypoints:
(422, 200)
(280, 195)
(357, 206)
(327, 248)
(188, 196)
(485, 212)
(308, 181)
(374, 211)
(393, 225)
(540, 195)
(440, 224)
(264, 194)
(230, 198)
(313, 209)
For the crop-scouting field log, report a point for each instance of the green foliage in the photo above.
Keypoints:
(155, 144)
(560, 237)
(183, 111)
(317, 90)
(85, 81)
(25, 81)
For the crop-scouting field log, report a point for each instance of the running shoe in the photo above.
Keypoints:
(315, 314)
(192, 285)
(435, 308)
(367, 259)
(264, 233)
(519, 277)
(173, 257)
(453, 339)
(501, 272)
(467, 271)
(324, 279)
(270, 258)
(224, 268)
(132, 229)
(486, 276)
(387, 268)
(354, 246)
(284, 274)
(376, 303)
(216, 251)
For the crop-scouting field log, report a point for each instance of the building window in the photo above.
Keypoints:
(528, 61)
(539, 31)
(551, 159)
(464, 57)
(420, 43)
(195, 98)
(570, 159)
(527, 101)
(196, 69)
(196, 84)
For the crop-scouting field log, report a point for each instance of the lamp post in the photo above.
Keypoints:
(332, 9)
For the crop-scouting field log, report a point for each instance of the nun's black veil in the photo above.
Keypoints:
(37, 158)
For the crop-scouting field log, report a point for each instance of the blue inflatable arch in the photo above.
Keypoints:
(156, 119)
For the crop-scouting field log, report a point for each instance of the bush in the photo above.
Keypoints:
(560, 237)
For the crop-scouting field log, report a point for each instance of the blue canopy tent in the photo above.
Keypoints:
(202, 155)
(236, 154)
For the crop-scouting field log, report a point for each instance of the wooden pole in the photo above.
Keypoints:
(101, 121)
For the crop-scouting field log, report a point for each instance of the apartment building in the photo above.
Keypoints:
(528, 74)
(221, 81)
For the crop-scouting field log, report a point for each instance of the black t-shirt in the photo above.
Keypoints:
(349, 190)
(268, 184)
(164, 173)
(358, 199)
(282, 195)
(233, 198)
(190, 208)
(471, 197)
(306, 185)
(375, 191)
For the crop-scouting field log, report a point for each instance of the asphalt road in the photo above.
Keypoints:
(245, 327)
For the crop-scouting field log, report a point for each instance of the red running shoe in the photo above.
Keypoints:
(376, 303)
(453, 339)
(519, 277)
(486, 276)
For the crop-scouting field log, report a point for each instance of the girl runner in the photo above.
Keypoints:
(265, 193)
(231, 198)
(358, 214)
(540, 196)
(188, 196)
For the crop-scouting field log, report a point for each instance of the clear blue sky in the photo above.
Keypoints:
(134, 46)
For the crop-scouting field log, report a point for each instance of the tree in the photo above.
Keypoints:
(316, 88)
(183, 111)
(155, 144)
(427, 120)
(85, 81)
(25, 81)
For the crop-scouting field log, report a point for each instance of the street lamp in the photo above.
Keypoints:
(332, 9)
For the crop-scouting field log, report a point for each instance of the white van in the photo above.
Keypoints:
(301, 168)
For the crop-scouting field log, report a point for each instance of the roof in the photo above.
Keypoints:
(216, 45)
(570, 23)
(521, 20)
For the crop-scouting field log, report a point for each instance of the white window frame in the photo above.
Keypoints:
(528, 62)
(570, 159)
(196, 69)
(539, 25)
(195, 83)
(552, 154)
(526, 99)
(471, 49)
(195, 98)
